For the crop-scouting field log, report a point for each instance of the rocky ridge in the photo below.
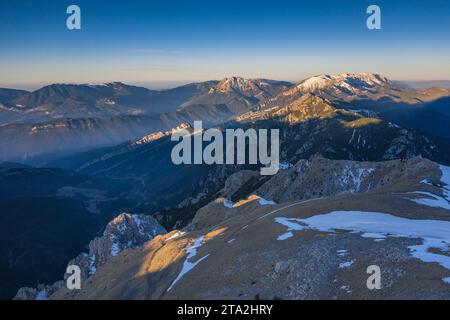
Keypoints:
(124, 232)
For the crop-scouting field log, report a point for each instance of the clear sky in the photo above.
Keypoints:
(162, 43)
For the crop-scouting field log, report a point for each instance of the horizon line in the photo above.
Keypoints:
(166, 85)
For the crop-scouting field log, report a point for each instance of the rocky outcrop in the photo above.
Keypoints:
(237, 181)
(42, 292)
(123, 232)
(319, 177)
(310, 179)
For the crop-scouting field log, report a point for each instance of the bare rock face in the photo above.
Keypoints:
(211, 214)
(124, 232)
(237, 180)
(319, 177)
(315, 178)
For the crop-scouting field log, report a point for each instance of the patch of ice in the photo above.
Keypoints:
(228, 204)
(346, 288)
(446, 180)
(284, 166)
(437, 201)
(291, 224)
(373, 235)
(187, 265)
(91, 267)
(446, 280)
(285, 236)
(41, 295)
(264, 202)
(346, 264)
(434, 233)
(342, 252)
(433, 200)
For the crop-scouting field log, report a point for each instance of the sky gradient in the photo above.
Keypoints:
(164, 43)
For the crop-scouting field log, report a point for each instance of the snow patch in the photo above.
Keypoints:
(446, 180)
(434, 233)
(291, 224)
(187, 265)
(351, 179)
(346, 264)
(41, 295)
(433, 200)
(228, 204)
(346, 288)
(264, 202)
(373, 235)
(284, 166)
(285, 236)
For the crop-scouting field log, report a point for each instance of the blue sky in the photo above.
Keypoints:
(163, 43)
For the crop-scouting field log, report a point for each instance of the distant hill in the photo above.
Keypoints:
(11, 94)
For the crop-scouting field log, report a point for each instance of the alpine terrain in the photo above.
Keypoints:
(363, 181)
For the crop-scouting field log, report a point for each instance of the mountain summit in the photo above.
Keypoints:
(346, 81)
(238, 93)
(249, 87)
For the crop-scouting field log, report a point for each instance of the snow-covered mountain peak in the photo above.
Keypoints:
(348, 81)
(315, 82)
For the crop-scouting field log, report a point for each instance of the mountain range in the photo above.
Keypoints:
(64, 119)
(355, 142)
